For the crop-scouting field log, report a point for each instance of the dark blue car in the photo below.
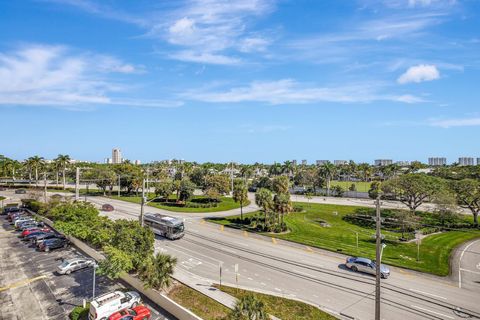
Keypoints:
(53, 243)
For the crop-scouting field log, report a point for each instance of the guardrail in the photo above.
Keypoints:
(158, 298)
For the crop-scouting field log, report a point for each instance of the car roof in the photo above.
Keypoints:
(366, 260)
(76, 260)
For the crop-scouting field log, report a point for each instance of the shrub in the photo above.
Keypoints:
(79, 313)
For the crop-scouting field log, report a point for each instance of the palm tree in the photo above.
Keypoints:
(275, 169)
(240, 195)
(327, 171)
(35, 163)
(288, 168)
(263, 199)
(63, 160)
(156, 272)
(249, 307)
(282, 205)
(366, 171)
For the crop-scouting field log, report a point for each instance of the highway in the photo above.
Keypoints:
(314, 276)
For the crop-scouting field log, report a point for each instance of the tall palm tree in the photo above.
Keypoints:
(36, 163)
(327, 171)
(263, 199)
(63, 160)
(282, 205)
(275, 169)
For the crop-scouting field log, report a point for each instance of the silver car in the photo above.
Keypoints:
(367, 266)
(71, 265)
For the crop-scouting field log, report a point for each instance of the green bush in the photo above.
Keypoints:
(80, 313)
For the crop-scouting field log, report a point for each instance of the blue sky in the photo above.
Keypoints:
(249, 80)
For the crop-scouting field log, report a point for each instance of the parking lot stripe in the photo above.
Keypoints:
(22, 283)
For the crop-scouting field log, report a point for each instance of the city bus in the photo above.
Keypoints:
(169, 227)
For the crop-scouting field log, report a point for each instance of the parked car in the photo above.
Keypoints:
(14, 214)
(28, 231)
(107, 207)
(53, 243)
(3, 188)
(366, 265)
(36, 233)
(30, 224)
(7, 210)
(20, 191)
(38, 239)
(21, 219)
(137, 313)
(71, 265)
(105, 305)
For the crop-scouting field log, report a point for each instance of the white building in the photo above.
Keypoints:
(340, 162)
(304, 162)
(466, 161)
(321, 162)
(117, 156)
(402, 163)
(108, 160)
(137, 162)
(437, 161)
(383, 162)
(478, 161)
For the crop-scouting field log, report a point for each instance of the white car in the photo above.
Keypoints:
(103, 306)
(72, 265)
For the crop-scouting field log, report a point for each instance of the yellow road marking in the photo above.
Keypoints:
(245, 233)
(308, 249)
(274, 241)
(222, 227)
(203, 221)
(21, 283)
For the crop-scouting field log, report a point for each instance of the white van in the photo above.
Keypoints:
(104, 306)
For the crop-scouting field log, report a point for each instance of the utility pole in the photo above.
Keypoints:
(148, 189)
(231, 177)
(143, 203)
(45, 186)
(378, 258)
(77, 184)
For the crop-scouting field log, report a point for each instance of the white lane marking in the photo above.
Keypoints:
(466, 270)
(279, 290)
(428, 294)
(256, 274)
(302, 273)
(460, 264)
(263, 283)
(178, 248)
(250, 279)
(431, 311)
(244, 244)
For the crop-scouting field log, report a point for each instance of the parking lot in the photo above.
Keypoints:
(30, 288)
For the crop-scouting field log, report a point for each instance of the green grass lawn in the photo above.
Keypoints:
(198, 303)
(282, 308)
(362, 186)
(340, 236)
(226, 203)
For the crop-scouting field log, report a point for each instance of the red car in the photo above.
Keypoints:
(137, 313)
(26, 232)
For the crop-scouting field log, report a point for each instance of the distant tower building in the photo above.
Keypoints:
(465, 161)
(321, 162)
(436, 161)
(383, 162)
(478, 161)
(108, 160)
(304, 162)
(402, 163)
(116, 156)
(294, 162)
(340, 162)
(137, 162)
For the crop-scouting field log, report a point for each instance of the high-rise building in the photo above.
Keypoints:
(478, 161)
(108, 160)
(321, 162)
(383, 162)
(137, 162)
(294, 163)
(402, 163)
(304, 162)
(466, 161)
(116, 156)
(340, 162)
(437, 161)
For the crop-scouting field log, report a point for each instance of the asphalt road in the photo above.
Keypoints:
(314, 276)
(30, 288)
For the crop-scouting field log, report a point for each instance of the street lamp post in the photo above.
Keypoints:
(144, 202)
(378, 258)
(95, 266)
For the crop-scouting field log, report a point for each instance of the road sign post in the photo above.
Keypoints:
(236, 274)
(220, 264)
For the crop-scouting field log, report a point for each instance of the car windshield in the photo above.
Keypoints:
(64, 264)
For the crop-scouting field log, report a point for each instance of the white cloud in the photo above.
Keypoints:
(204, 57)
(419, 73)
(54, 76)
(459, 122)
(408, 98)
(288, 91)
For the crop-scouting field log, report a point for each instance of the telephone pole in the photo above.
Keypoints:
(378, 257)
(143, 203)
(45, 186)
(77, 184)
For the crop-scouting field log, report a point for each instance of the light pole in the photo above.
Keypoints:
(119, 185)
(77, 184)
(95, 266)
(45, 186)
(378, 258)
(144, 202)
